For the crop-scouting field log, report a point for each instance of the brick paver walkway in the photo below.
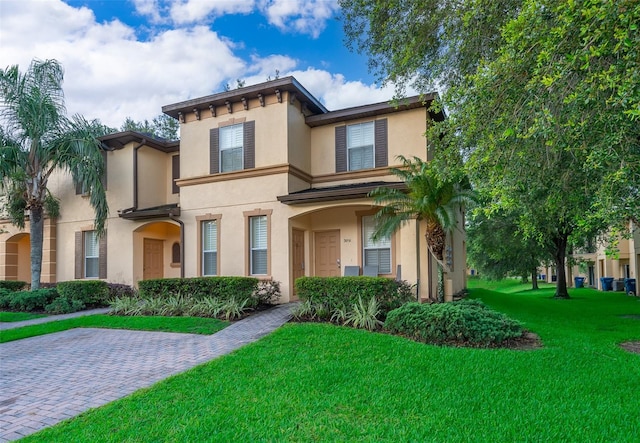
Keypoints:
(46, 379)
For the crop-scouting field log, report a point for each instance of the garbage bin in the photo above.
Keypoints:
(630, 286)
(579, 281)
(554, 278)
(606, 283)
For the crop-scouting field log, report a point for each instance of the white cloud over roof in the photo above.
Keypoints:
(111, 73)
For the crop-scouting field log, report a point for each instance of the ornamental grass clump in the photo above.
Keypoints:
(467, 322)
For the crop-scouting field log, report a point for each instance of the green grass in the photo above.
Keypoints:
(18, 316)
(318, 382)
(190, 325)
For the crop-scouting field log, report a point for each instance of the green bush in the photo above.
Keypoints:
(63, 305)
(91, 293)
(337, 293)
(223, 288)
(12, 285)
(27, 301)
(467, 322)
(117, 290)
(5, 297)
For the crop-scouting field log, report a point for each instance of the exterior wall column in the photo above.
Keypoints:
(49, 250)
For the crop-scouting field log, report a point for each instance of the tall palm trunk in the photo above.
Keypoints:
(36, 226)
(436, 238)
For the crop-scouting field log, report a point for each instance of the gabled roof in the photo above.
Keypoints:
(289, 84)
(119, 140)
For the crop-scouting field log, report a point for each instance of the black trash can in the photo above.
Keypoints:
(630, 286)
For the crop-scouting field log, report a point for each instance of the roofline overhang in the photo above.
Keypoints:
(118, 140)
(166, 211)
(289, 84)
(376, 109)
(332, 194)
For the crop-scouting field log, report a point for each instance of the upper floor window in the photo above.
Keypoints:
(231, 148)
(360, 144)
(375, 253)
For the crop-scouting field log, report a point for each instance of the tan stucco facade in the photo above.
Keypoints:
(290, 178)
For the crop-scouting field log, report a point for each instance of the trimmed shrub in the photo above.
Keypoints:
(63, 305)
(117, 290)
(5, 297)
(337, 293)
(12, 285)
(267, 292)
(91, 293)
(467, 322)
(27, 301)
(223, 288)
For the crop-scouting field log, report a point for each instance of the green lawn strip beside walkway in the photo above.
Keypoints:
(318, 382)
(190, 325)
(18, 316)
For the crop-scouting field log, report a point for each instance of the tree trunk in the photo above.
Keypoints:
(36, 226)
(436, 239)
(560, 259)
(534, 279)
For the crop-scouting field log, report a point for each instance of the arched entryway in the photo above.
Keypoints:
(17, 258)
(156, 247)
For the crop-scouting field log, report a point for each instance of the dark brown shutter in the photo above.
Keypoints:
(102, 256)
(214, 151)
(381, 143)
(249, 142)
(175, 173)
(103, 179)
(78, 188)
(341, 148)
(79, 255)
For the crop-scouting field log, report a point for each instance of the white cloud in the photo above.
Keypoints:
(198, 11)
(110, 74)
(303, 16)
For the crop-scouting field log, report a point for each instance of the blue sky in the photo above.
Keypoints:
(130, 57)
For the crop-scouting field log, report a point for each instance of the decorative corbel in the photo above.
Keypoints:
(292, 97)
(304, 108)
(261, 99)
(180, 117)
(245, 103)
(229, 107)
(278, 95)
(196, 111)
(212, 108)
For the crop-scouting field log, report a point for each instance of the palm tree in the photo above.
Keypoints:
(36, 139)
(428, 197)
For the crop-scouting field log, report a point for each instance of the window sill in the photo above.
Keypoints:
(174, 265)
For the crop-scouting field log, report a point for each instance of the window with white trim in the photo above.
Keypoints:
(258, 245)
(360, 146)
(91, 255)
(231, 148)
(375, 253)
(210, 247)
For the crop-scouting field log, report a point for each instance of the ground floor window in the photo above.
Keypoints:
(209, 247)
(91, 255)
(258, 245)
(375, 253)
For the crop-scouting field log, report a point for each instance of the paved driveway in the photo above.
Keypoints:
(46, 379)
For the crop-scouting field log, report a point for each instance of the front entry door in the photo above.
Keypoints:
(327, 253)
(153, 261)
(297, 239)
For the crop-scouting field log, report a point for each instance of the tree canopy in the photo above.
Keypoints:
(162, 126)
(36, 139)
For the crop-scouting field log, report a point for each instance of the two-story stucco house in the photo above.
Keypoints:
(264, 182)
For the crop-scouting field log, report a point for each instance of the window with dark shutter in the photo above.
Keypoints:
(381, 143)
(214, 151)
(104, 174)
(341, 148)
(175, 174)
(249, 141)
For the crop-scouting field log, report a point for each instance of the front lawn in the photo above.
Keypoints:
(190, 325)
(319, 382)
(18, 316)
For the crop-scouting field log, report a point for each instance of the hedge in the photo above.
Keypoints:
(12, 285)
(91, 293)
(222, 288)
(340, 292)
(26, 301)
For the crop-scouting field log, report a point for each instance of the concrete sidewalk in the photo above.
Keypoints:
(46, 379)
